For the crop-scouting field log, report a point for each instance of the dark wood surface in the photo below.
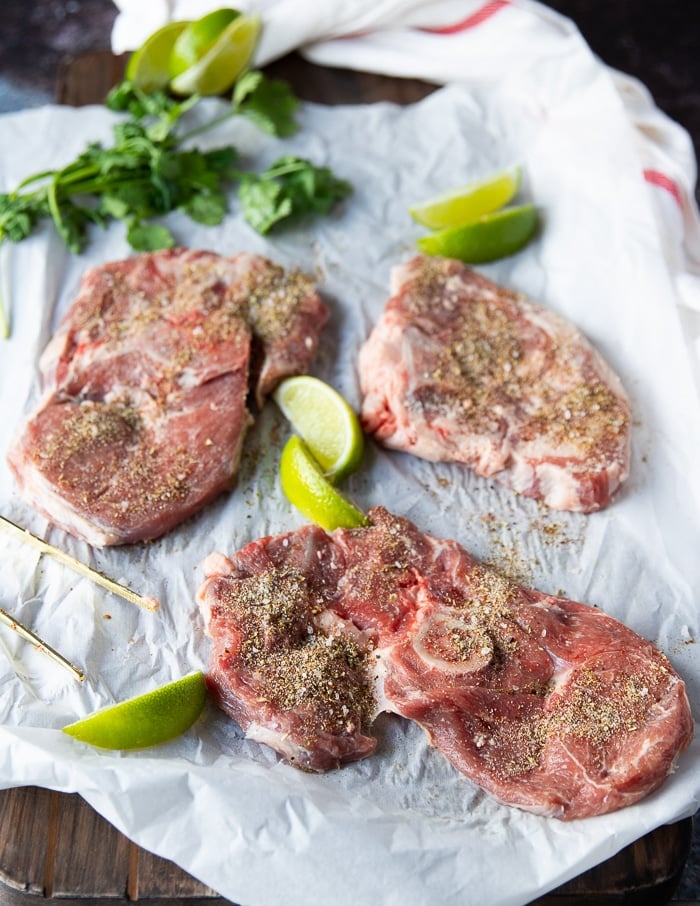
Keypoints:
(54, 847)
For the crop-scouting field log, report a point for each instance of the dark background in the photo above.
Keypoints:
(658, 41)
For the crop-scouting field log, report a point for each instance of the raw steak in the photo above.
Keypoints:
(547, 704)
(460, 369)
(144, 413)
(290, 671)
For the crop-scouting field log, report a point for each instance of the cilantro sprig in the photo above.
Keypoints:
(151, 169)
(289, 189)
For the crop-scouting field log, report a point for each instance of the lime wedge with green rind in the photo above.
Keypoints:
(326, 422)
(468, 202)
(146, 720)
(306, 488)
(194, 41)
(225, 60)
(148, 67)
(488, 238)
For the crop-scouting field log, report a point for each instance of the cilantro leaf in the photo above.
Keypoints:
(263, 203)
(289, 189)
(72, 224)
(126, 97)
(149, 237)
(221, 160)
(269, 103)
(19, 214)
(207, 208)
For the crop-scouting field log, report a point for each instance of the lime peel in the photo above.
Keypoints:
(326, 422)
(148, 67)
(311, 493)
(195, 40)
(490, 237)
(145, 720)
(468, 202)
(223, 62)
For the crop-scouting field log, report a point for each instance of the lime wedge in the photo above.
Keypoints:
(469, 201)
(325, 421)
(221, 65)
(145, 720)
(195, 40)
(311, 493)
(148, 67)
(490, 237)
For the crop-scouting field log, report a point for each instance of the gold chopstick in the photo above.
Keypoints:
(40, 644)
(77, 566)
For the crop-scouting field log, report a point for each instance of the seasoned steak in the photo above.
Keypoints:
(290, 672)
(547, 704)
(144, 412)
(459, 369)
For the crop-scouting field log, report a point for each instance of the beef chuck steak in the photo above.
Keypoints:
(144, 409)
(290, 671)
(460, 369)
(548, 704)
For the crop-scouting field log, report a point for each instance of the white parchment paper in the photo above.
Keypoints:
(402, 827)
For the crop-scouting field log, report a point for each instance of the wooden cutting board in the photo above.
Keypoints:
(55, 846)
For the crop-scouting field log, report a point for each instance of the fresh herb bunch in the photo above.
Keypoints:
(147, 173)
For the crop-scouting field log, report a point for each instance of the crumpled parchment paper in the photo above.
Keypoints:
(401, 827)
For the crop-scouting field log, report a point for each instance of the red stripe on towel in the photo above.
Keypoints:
(481, 15)
(657, 178)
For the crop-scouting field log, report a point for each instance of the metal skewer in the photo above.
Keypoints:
(40, 644)
(77, 566)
